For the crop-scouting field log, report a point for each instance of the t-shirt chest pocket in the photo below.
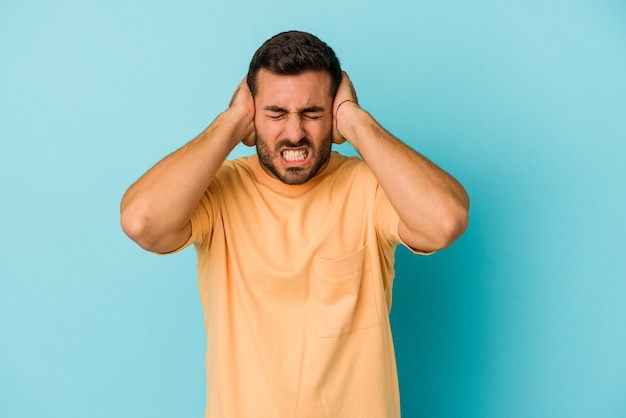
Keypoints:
(346, 300)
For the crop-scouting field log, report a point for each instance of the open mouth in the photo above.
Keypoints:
(297, 155)
(293, 157)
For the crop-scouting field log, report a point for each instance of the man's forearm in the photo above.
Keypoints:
(155, 210)
(432, 205)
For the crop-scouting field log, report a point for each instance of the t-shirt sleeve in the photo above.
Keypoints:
(388, 222)
(203, 217)
(202, 220)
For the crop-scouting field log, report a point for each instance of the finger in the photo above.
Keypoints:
(249, 141)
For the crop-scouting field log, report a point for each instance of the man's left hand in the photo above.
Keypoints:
(345, 93)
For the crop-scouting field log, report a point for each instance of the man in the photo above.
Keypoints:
(296, 244)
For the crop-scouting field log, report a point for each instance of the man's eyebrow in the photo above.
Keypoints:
(274, 108)
(308, 109)
(313, 109)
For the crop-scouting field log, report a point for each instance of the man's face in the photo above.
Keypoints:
(293, 121)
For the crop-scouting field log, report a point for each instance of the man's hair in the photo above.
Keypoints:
(292, 53)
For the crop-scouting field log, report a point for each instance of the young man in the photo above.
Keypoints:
(296, 244)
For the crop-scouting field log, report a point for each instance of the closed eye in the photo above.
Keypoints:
(313, 112)
(275, 112)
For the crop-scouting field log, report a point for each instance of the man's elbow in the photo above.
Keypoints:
(135, 227)
(454, 220)
(452, 227)
(441, 233)
(154, 236)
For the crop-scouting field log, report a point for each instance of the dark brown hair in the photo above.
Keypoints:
(292, 53)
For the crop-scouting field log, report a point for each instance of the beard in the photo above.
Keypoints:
(294, 175)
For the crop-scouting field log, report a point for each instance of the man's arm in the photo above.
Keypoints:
(155, 211)
(432, 205)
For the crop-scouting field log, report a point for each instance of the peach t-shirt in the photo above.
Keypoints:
(295, 282)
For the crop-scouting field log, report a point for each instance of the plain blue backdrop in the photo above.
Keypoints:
(523, 101)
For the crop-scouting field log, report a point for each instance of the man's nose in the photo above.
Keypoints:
(294, 129)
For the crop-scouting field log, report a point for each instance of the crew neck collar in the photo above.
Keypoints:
(278, 186)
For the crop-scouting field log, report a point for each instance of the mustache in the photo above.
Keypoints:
(285, 143)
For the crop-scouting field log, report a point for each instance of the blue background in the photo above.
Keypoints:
(523, 101)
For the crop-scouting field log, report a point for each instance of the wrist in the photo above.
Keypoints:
(238, 121)
(346, 115)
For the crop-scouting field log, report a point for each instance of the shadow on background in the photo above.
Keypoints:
(439, 324)
(442, 308)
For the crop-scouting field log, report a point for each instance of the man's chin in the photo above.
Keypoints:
(294, 176)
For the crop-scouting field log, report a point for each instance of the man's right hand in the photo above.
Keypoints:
(242, 102)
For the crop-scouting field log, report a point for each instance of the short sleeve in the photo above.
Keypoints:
(202, 219)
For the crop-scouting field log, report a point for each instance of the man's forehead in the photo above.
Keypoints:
(313, 84)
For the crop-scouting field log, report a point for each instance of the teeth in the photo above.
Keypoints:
(294, 155)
